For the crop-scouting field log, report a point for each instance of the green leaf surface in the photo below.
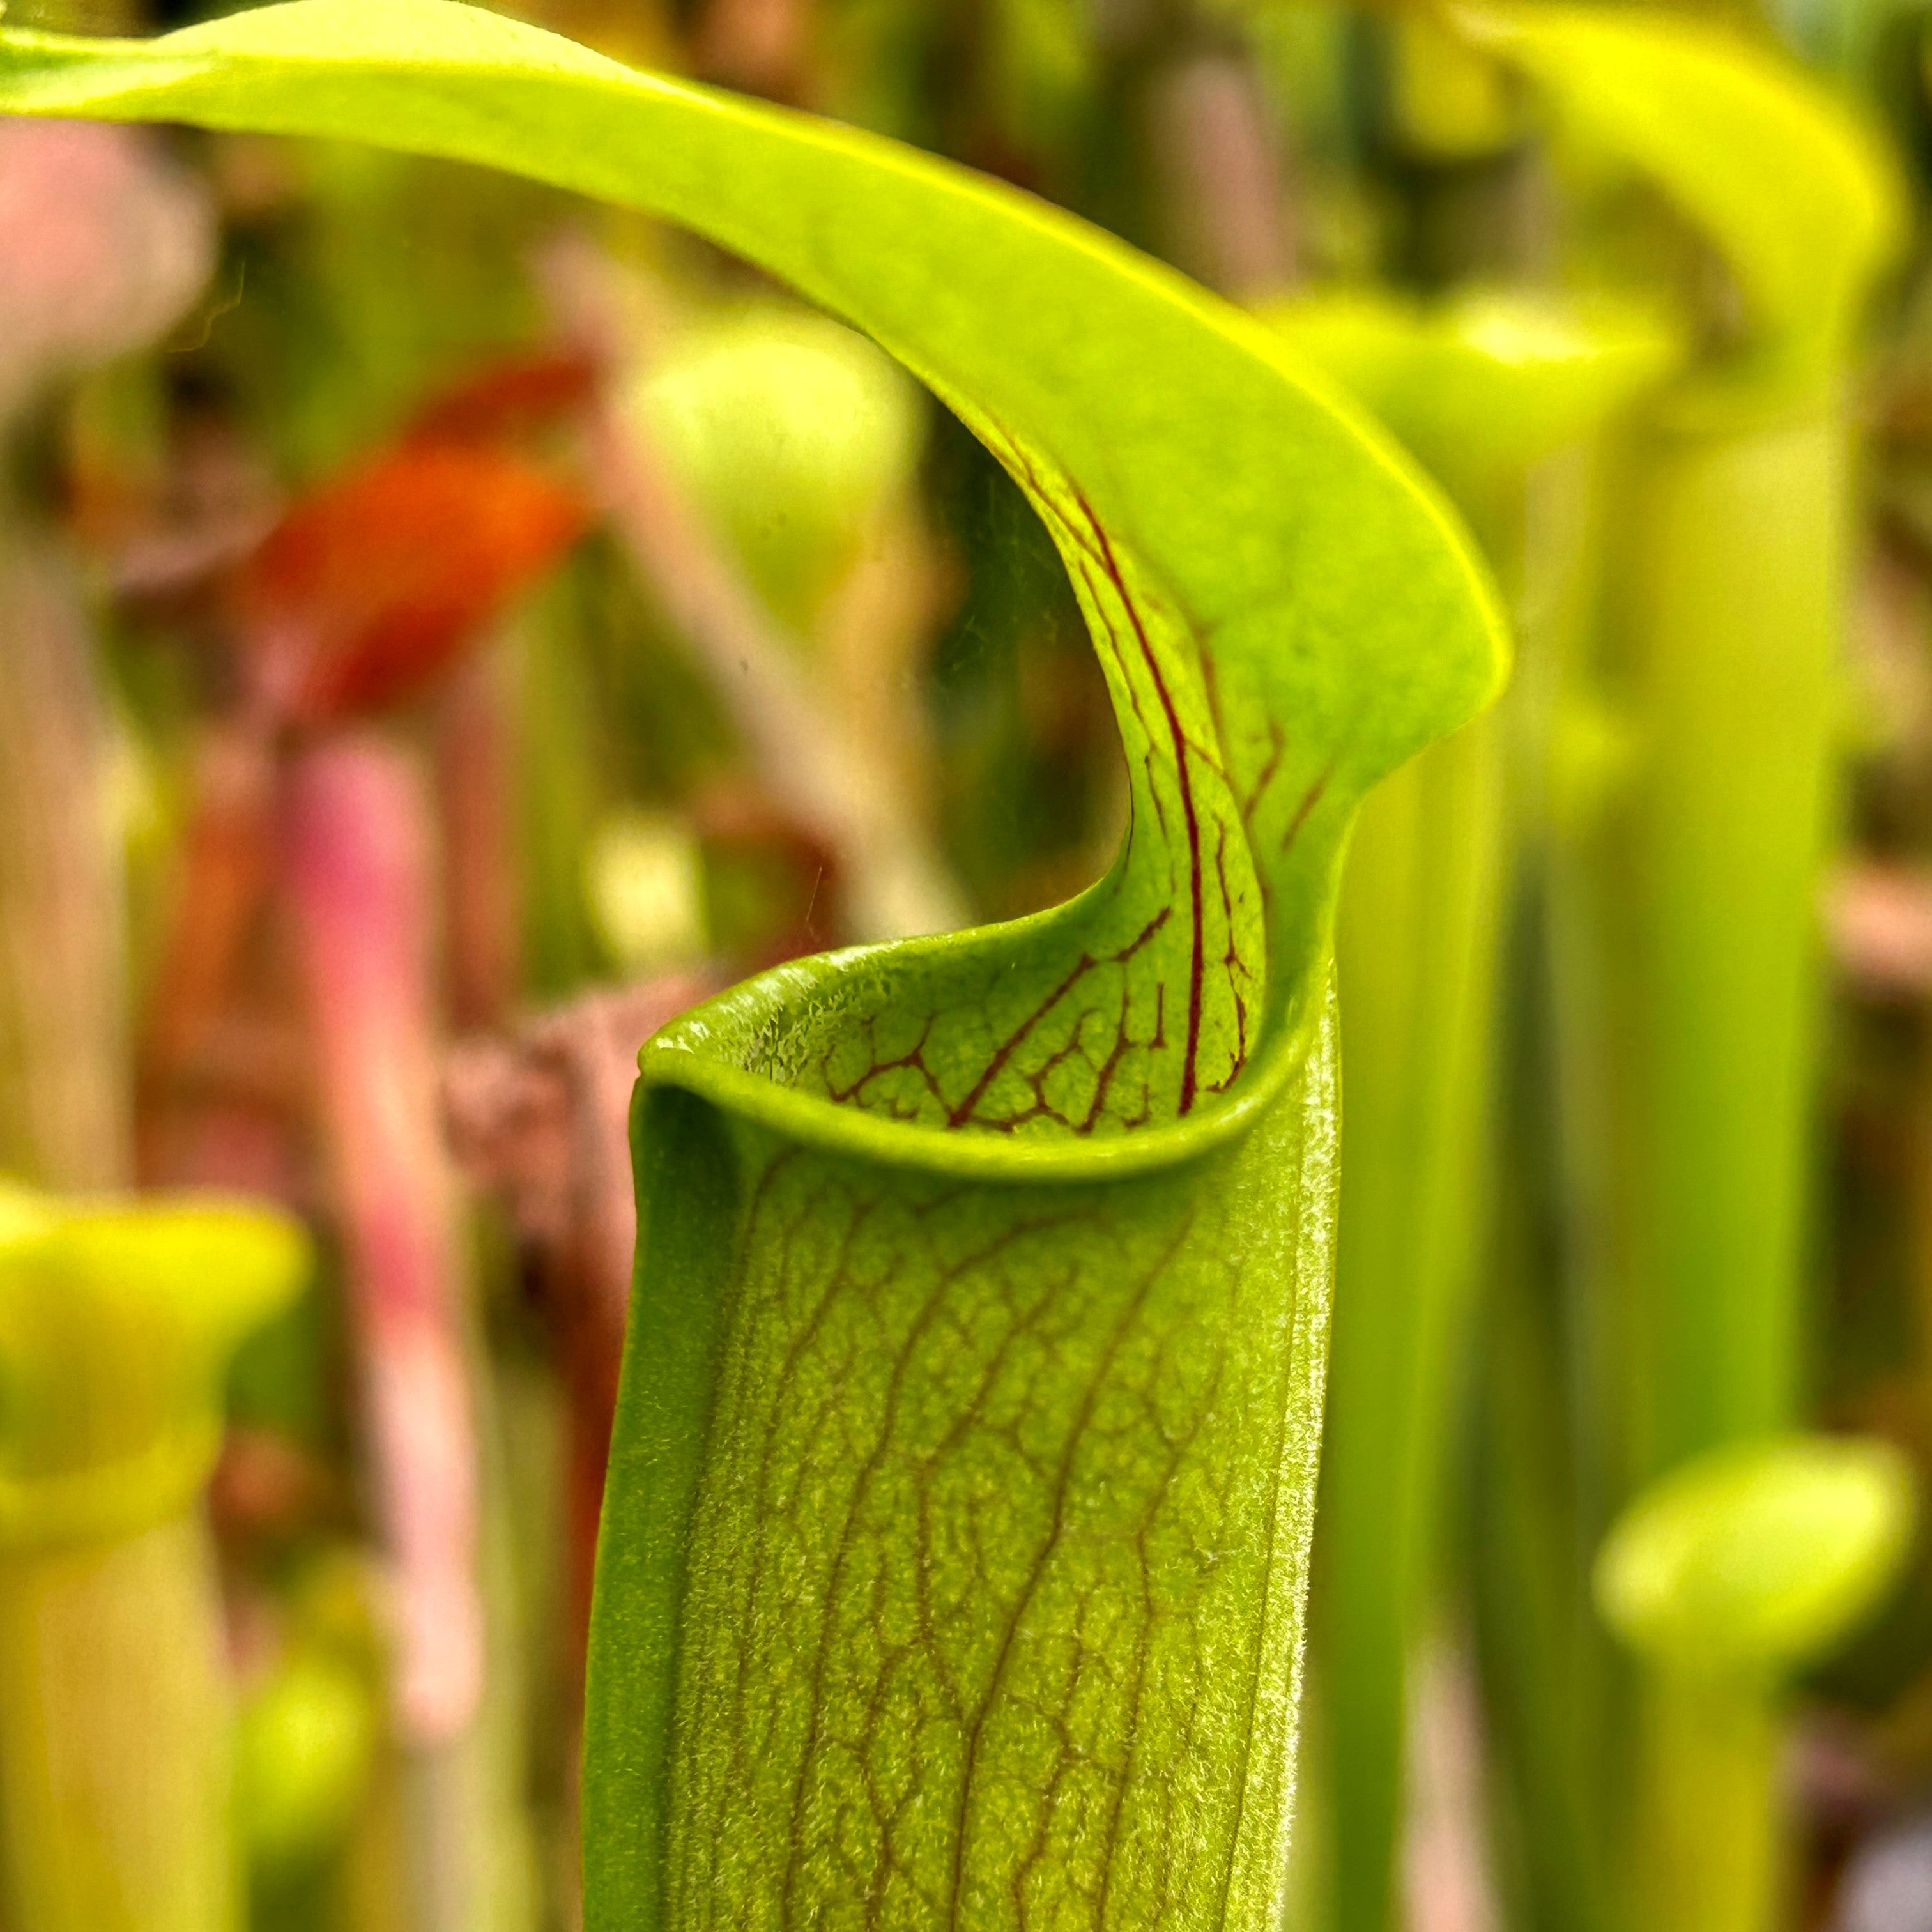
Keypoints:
(952, 1571)
(1714, 120)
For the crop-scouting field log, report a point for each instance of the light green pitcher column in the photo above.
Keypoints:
(1480, 387)
(1724, 1578)
(117, 1321)
(1687, 938)
(1732, 567)
(1702, 878)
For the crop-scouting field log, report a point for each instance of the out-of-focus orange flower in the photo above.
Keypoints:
(371, 589)
(507, 402)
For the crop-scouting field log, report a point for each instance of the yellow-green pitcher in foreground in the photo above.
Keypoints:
(952, 1572)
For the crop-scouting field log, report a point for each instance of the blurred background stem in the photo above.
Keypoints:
(115, 1722)
(1712, 1854)
(65, 1095)
(1729, 581)
(114, 1705)
(1730, 576)
(1416, 950)
(359, 840)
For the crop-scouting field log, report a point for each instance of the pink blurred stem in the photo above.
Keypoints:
(358, 847)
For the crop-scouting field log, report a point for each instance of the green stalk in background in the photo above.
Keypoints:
(1727, 582)
(117, 1321)
(106, 244)
(1725, 1576)
(1683, 913)
(956, 1529)
(1479, 388)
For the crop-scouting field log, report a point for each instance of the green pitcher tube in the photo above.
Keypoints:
(1480, 387)
(1683, 920)
(1688, 1065)
(1722, 1578)
(1725, 578)
(117, 1320)
(1733, 566)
